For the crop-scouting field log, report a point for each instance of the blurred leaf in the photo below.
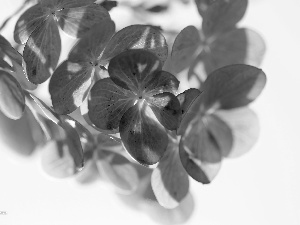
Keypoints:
(20, 130)
(170, 182)
(69, 85)
(245, 128)
(137, 37)
(57, 160)
(199, 152)
(107, 104)
(232, 86)
(30, 20)
(184, 48)
(5, 65)
(222, 15)
(109, 143)
(158, 8)
(166, 108)
(238, 46)
(144, 138)
(202, 5)
(186, 100)
(91, 45)
(42, 51)
(118, 170)
(88, 174)
(7, 49)
(76, 18)
(12, 98)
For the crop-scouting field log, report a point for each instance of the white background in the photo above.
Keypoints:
(261, 187)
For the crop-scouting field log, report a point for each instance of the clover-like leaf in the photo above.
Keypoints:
(12, 98)
(184, 49)
(118, 170)
(200, 153)
(77, 17)
(169, 181)
(91, 45)
(144, 138)
(166, 108)
(70, 85)
(42, 51)
(232, 86)
(30, 20)
(107, 104)
(238, 46)
(245, 128)
(137, 37)
(223, 15)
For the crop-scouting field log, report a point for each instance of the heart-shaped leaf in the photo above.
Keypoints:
(232, 86)
(137, 37)
(244, 125)
(42, 51)
(107, 104)
(76, 18)
(223, 15)
(166, 108)
(199, 152)
(12, 97)
(144, 138)
(118, 170)
(184, 49)
(90, 46)
(70, 85)
(170, 182)
(238, 46)
(29, 21)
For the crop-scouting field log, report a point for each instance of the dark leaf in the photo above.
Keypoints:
(29, 21)
(12, 98)
(21, 77)
(166, 108)
(144, 138)
(223, 15)
(118, 170)
(109, 5)
(170, 182)
(161, 81)
(134, 70)
(239, 46)
(76, 18)
(199, 152)
(70, 85)
(184, 49)
(91, 45)
(186, 100)
(108, 103)
(42, 51)
(232, 86)
(137, 37)
(245, 128)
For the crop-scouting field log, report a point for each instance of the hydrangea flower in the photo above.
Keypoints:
(138, 101)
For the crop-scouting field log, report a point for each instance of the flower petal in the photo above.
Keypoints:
(77, 18)
(42, 51)
(144, 138)
(134, 69)
(108, 103)
(91, 45)
(69, 85)
(166, 108)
